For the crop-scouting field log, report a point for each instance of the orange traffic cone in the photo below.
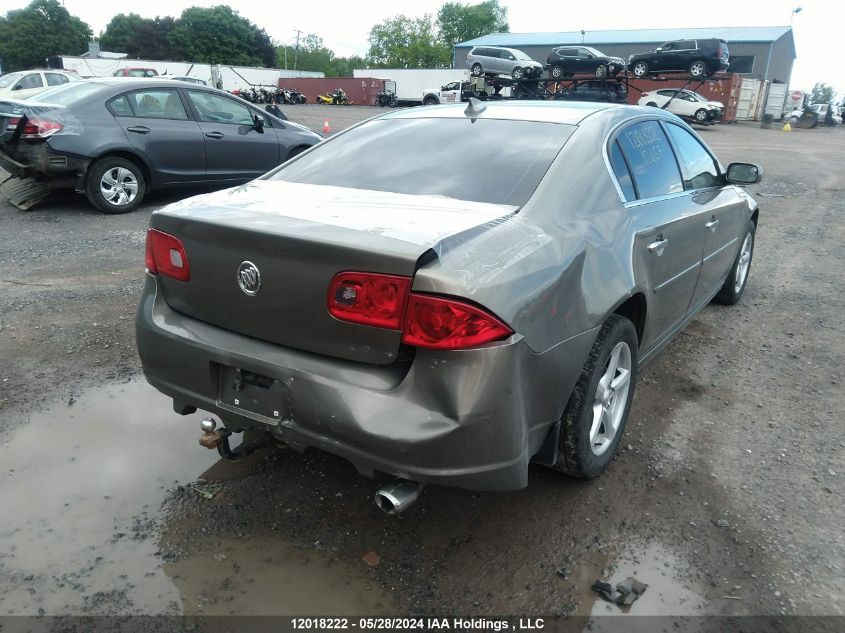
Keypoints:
(326, 127)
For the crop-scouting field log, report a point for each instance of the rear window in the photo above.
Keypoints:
(488, 160)
(68, 93)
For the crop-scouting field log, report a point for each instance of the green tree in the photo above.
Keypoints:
(30, 35)
(219, 35)
(403, 42)
(120, 30)
(312, 55)
(459, 22)
(343, 66)
(153, 39)
(822, 93)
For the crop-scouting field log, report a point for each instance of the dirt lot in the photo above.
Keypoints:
(726, 498)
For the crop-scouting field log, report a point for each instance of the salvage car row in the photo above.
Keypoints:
(698, 58)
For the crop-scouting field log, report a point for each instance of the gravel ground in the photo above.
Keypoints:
(722, 499)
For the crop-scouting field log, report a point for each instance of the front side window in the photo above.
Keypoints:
(32, 80)
(485, 160)
(651, 160)
(697, 165)
(157, 104)
(213, 108)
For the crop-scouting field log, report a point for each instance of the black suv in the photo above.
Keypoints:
(564, 61)
(594, 90)
(699, 58)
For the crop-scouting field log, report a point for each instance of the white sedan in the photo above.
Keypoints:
(28, 83)
(685, 104)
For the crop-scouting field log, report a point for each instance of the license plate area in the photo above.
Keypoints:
(252, 392)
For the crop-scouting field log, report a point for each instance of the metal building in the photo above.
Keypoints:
(757, 52)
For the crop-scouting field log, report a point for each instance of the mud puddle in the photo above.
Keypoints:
(82, 486)
(669, 592)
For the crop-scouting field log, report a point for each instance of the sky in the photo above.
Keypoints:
(344, 26)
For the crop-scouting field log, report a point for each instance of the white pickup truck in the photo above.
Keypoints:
(456, 91)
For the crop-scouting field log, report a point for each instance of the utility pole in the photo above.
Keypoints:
(296, 53)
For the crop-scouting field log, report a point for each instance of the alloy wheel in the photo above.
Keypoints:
(744, 262)
(611, 399)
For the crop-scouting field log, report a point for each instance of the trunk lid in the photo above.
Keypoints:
(299, 237)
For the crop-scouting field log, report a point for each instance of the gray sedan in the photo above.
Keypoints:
(116, 139)
(485, 301)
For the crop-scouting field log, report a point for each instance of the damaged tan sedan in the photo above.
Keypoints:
(445, 294)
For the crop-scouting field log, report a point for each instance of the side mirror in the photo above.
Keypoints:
(743, 173)
(258, 122)
(658, 49)
(511, 57)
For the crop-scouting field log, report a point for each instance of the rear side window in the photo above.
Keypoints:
(157, 104)
(55, 79)
(486, 160)
(651, 160)
(622, 173)
(698, 167)
(120, 106)
(32, 80)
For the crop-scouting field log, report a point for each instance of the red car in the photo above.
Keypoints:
(135, 72)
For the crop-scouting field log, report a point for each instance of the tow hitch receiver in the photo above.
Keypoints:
(219, 439)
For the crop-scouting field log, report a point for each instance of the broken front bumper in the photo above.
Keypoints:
(471, 418)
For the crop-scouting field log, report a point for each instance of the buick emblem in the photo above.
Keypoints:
(249, 279)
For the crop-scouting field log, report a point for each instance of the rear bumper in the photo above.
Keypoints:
(471, 419)
(37, 161)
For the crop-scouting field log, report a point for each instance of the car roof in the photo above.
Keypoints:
(570, 113)
(149, 82)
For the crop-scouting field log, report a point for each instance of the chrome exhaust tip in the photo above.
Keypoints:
(397, 496)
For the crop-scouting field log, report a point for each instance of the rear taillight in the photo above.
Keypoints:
(34, 127)
(165, 255)
(426, 321)
(440, 323)
(369, 298)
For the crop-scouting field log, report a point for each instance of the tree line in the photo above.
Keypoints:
(220, 35)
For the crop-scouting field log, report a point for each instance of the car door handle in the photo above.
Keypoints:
(711, 225)
(215, 134)
(657, 246)
(139, 129)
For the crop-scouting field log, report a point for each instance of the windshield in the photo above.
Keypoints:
(66, 94)
(520, 55)
(8, 80)
(485, 160)
(593, 51)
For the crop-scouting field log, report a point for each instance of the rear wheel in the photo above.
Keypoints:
(734, 285)
(476, 70)
(651, 104)
(640, 69)
(429, 100)
(115, 185)
(698, 69)
(595, 416)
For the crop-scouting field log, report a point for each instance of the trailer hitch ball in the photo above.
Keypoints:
(209, 438)
(208, 425)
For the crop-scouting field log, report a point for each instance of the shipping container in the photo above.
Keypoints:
(412, 83)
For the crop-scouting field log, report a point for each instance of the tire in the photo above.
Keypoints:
(651, 104)
(601, 71)
(582, 453)
(698, 69)
(640, 69)
(123, 178)
(557, 71)
(737, 278)
(793, 120)
(518, 73)
(477, 70)
(701, 115)
(430, 101)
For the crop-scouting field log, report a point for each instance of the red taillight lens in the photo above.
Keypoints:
(165, 255)
(369, 298)
(34, 128)
(439, 323)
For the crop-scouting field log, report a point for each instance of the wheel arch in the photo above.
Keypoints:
(755, 216)
(130, 156)
(635, 309)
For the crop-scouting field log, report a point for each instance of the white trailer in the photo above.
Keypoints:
(412, 83)
(231, 76)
